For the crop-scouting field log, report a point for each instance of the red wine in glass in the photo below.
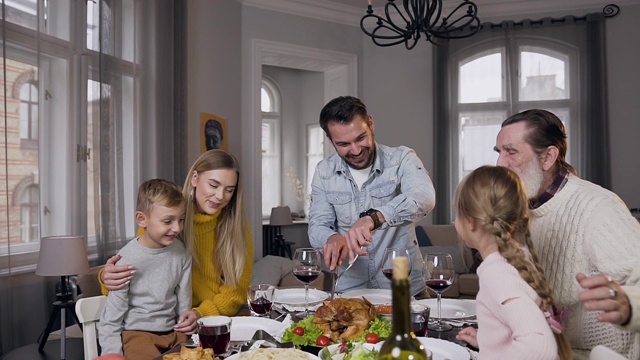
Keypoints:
(306, 268)
(261, 306)
(439, 275)
(306, 276)
(438, 285)
(418, 324)
(213, 337)
(388, 273)
(387, 260)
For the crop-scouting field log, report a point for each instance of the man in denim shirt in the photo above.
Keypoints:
(366, 198)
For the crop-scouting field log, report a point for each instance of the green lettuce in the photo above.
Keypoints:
(311, 333)
(349, 351)
(378, 326)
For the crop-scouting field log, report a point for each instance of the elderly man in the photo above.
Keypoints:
(366, 198)
(577, 228)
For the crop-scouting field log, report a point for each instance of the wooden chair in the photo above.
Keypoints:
(89, 311)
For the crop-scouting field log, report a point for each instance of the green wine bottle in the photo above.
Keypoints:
(402, 343)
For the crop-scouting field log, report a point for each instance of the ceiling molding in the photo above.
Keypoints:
(316, 9)
(339, 11)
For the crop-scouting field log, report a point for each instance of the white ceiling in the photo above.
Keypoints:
(349, 12)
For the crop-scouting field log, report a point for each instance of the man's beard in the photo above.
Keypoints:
(367, 155)
(533, 176)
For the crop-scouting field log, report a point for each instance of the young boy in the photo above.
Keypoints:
(139, 319)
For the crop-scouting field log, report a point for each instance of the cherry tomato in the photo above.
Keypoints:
(372, 338)
(299, 331)
(323, 341)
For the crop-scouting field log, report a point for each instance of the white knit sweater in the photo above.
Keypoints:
(586, 228)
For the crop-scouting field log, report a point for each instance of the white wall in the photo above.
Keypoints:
(213, 70)
(397, 90)
(623, 76)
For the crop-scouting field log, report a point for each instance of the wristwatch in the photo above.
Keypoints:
(373, 214)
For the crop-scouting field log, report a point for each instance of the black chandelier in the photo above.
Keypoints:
(420, 16)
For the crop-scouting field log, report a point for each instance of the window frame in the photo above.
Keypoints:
(274, 119)
(310, 168)
(29, 207)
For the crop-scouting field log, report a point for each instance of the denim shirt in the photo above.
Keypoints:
(399, 187)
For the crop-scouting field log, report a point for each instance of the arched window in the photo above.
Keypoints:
(499, 79)
(506, 69)
(28, 111)
(29, 220)
(271, 161)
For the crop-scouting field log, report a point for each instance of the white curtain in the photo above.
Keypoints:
(93, 91)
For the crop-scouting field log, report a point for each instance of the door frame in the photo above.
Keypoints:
(340, 78)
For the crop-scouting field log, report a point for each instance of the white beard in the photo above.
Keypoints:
(533, 176)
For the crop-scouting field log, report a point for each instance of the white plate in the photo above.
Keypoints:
(243, 327)
(295, 297)
(246, 354)
(375, 296)
(332, 348)
(441, 349)
(451, 308)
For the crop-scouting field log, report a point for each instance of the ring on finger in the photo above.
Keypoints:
(613, 293)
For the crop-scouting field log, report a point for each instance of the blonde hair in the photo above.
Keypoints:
(231, 252)
(158, 192)
(496, 197)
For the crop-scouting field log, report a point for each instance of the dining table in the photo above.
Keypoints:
(279, 315)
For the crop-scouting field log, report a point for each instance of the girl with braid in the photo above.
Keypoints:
(515, 305)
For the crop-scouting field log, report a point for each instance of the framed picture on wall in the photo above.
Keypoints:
(213, 132)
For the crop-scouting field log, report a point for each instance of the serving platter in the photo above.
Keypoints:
(243, 327)
(375, 296)
(451, 308)
(295, 297)
(248, 354)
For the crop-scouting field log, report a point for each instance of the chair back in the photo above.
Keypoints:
(601, 352)
(89, 310)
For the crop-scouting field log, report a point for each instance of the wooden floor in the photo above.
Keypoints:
(51, 351)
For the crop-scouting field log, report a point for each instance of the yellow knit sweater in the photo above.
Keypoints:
(210, 296)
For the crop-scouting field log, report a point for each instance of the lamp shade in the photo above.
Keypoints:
(62, 256)
(280, 215)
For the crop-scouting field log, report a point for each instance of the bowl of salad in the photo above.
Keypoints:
(349, 351)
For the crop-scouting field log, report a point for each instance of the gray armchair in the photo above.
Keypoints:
(444, 238)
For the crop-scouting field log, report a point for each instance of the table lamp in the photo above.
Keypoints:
(281, 216)
(61, 256)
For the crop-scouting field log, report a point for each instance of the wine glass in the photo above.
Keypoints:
(439, 276)
(387, 260)
(306, 268)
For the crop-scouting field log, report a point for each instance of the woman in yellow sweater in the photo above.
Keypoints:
(217, 235)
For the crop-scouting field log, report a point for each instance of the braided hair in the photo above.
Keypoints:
(496, 197)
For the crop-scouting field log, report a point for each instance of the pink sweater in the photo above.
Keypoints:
(517, 329)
